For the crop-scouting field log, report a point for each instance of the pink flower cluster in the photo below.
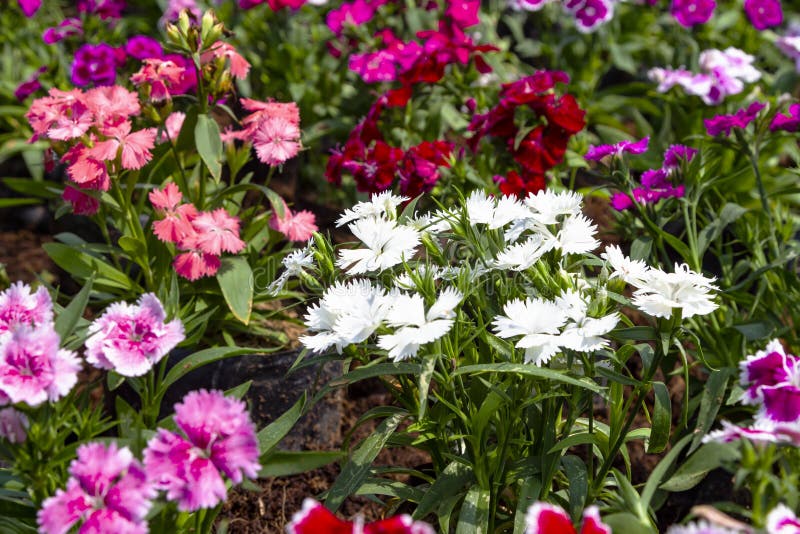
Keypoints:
(544, 145)
(238, 65)
(161, 78)
(314, 518)
(217, 438)
(588, 14)
(130, 339)
(108, 491)
(202, 235)
(97, 126)
(33, 369)
(597, 153)
(763, 14)
(724, 124)
(277, 5)
(374, 164)
(770, 378)
(724, 73)
(353, 13)
(789, 43)
(272, 127)
(105, 9)
(295, 226)
(788, 122)
(657, 184)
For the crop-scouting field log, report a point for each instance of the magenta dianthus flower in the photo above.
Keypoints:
(130, 339)
(108, 491)
(95, 64)
(596, 153)
(692, 12)
(724, 124)
(32, 367)
(19, 305)
(218, 438)
(764, 14)
(143, 47)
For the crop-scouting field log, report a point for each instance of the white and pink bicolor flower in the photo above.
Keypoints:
(545, 518)
(316, 519)
(772, 378)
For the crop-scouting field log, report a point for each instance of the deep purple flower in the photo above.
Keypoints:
(143, 47)
(596, 153)
(764, 14)
(691, 12)
(95, 64)
(108, 491)
(787, 123)
(13, 425)
(68, 27)
(592, 14)
(655, 178)
(218, 437)
(724, 124)
(105, 9)
(29, 7)
(678, 154)
(29, 86)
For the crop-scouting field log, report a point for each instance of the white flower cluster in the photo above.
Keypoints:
(659, 293)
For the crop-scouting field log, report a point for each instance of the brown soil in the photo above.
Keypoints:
(23, 257)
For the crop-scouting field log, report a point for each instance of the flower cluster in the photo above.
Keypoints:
(273, 128)
(659, 293)
(33, 369)
(724, 124)
(763, 14)
(202, 235)
(110, 491)
(544, 145)
(724, 73)
(544, 518)
(314, 518)
(96, 127)
(374, 164)
(588, 15)
(130, 339)
(295, 226)
(657, 184)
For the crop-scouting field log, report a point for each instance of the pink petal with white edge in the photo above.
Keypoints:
(314, 518)
(544, 518)
(592, 524)
(781, 520)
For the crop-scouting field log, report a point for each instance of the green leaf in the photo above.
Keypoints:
(355, 472)
(32, 188)
(662, 419)
(530, 487)
(450, 482)
(628, 523)
(578, 478)
(635, 333)
(713, 397)
(83, 266)
(204, 357)
(660, 471)
(428, 366)
(68, 318)
(236, 282)
(641, 247)
(209, 144)
(707, 458)
(14, 202)
(474, 515)
(285, 463)
(272, 434)
(368, 371)
(528, 370)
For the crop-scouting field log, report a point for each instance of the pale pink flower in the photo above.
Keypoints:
(297, 226)
(239, 65)
(85, 170)
(217, 231)
(45, 111)
(13, 425)
(32, 367)
(134, 148)
(196, 264)
(108, 491)
(266, 110)
(218, 438)
(19, 305)
(130, 339)
(172, 127)
(160, 76)
(276, 140)
(112, 102)
(73, 122)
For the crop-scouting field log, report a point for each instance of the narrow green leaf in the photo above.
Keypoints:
(707, 458)
(428, 366)
(450, 482)
(204, 357)
(272, 434)
(530, 487)
(236, 282)
(710, 403)
(528, 370)
(68, 318)
(285, 463)
(628, 523)
(578, 478)
(657, 475)
(209, 144)
(355, 472)
(83, 266)
(474, 515)
(662, 419)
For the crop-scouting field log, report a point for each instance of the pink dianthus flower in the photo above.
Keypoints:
(32, 367)
(19, 305)
(276, 140)
(218, 438)
(108, 491)
(130, 339)
(217, 231)
(297, 226)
